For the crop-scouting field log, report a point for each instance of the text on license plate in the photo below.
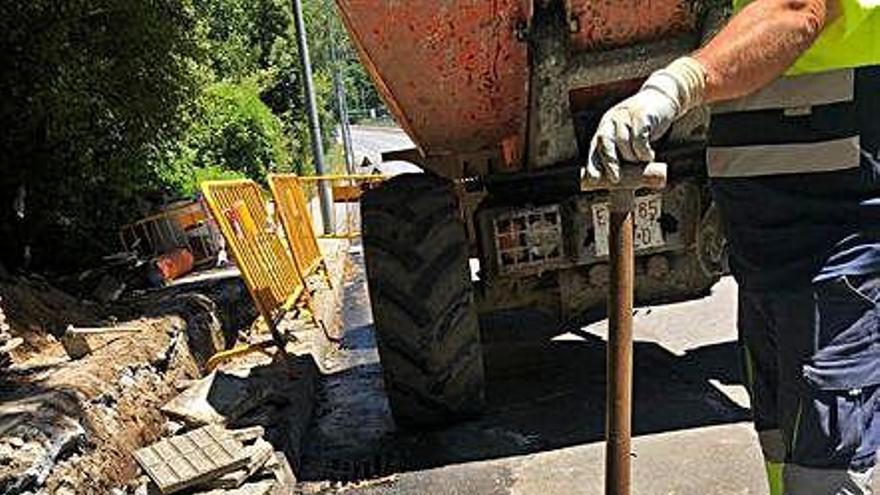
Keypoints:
(648, 233)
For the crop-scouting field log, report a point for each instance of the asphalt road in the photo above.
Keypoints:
(542, 433)
(370, 142)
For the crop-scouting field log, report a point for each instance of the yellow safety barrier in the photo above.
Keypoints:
(347, 190)
(237, 351)
(270, 273)
(293, 210)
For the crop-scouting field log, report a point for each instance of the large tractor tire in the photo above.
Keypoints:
(422, 298)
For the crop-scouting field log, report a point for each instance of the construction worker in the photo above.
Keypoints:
(794, 162)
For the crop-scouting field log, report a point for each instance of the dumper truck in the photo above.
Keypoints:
(501, 99)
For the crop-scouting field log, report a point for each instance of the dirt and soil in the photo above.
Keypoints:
(69, 426)
(39, 313)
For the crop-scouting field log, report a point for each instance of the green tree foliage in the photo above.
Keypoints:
(242, 33)
(89, 88)
(113, 107)
(232, 131)
(253, 42)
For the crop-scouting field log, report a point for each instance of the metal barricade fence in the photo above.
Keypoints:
(268, 269)
(293, 211)
(185, 225)
(347, 190)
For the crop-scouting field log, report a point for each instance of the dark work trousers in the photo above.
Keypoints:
(812, 366)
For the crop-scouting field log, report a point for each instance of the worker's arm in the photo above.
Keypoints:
(754, 48)
(759, 44)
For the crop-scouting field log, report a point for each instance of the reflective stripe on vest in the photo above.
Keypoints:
(796, 92)
(800, 124)
(758, 160)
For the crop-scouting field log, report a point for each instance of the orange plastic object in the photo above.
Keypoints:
(175, 263)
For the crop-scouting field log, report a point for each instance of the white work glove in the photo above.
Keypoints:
(626, 130)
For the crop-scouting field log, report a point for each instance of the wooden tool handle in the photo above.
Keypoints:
(632, 177)
(100, 330)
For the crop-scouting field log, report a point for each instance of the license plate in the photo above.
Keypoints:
(648, 233)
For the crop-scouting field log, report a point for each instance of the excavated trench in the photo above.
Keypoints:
(69, 426)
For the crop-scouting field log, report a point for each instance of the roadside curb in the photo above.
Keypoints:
(312, 348)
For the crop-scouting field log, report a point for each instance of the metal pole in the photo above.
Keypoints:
(314, 124)
(341, 105)
(346, 128)
(620, 344)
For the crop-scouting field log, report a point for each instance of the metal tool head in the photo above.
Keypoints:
(632, 177)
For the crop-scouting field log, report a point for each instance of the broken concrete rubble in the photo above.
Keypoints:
(34, 433)
(113, 396)
(281, 470)
(258, 454)
(109, 289)
(192, 459)
(7, 342)
(80, 342)
(182, 462)
(247, 435)
(218, 398)
(102, 407)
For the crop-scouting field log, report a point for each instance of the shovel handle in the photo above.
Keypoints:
(632, 177)
(618, 415)
(621, 248)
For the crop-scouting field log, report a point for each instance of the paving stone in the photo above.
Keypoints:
(258, 454)
(217, 398)
(192, 458)
(282, 472)
(247, 435)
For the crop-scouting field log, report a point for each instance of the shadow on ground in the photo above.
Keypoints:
(543, 393)
(549, 395)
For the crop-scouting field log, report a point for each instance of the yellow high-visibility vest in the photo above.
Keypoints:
(851, 40)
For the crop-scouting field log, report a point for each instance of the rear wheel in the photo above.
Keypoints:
(422, 298)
